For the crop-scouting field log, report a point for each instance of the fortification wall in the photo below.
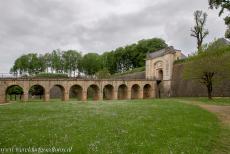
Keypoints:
(188, 88)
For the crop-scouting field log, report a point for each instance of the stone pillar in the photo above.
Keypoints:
(66, 97)
(25, 97)
(100, 95)
(2, 96)
(84, 95)
(114, 95)
(141, 94)
(46, 97)
(129, 94)
(153, 92)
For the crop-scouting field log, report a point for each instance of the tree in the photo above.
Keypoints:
(103, 74)
(224, 5)
(57, 62)
(15, 90)
(36, 90)
(198, 31)
(145, 46)
(90, 64)
(209, 67)
(71, 59)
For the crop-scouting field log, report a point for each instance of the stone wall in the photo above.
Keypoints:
(188, 88)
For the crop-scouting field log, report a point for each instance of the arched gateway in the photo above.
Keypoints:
(76, 89)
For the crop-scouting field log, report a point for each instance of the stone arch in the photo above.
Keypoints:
(57, 91)
(108, 92)
(135, 91)
(147, 91)
(122, 92)
(76, 92)
(36, 91)
(93, 92)
(159, 69)
(16, 91)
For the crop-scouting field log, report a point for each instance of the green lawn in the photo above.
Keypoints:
(141, 126)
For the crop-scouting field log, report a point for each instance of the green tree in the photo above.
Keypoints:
(90, 64)
(145, 46)
(209, 67)
(46, 59)
(223, 5)
(57, 62)
(71, 59)
(103, 74)
(198, 31)
(15, 90)
(36, 90)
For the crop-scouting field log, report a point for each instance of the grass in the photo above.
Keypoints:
(140, 126)
(135, 70)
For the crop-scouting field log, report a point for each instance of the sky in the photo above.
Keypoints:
(40, 26)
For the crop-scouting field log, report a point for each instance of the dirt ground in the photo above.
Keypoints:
(223, 112)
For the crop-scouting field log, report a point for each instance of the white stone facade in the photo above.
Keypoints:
(159, 66)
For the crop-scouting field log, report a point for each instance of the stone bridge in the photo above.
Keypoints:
(102, 89)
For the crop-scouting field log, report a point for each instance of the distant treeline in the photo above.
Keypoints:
(73, 63)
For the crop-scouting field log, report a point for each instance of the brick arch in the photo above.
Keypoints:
(12, 85)
(135, 91)
(62, 91)
(76, 92)
(122, 92)
(108, 92)
(147, 91)
(43, 92)
(93, 92)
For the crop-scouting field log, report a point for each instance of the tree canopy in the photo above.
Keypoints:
(223, 5)
(73, 63)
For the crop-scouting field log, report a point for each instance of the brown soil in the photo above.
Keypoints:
(223, 112)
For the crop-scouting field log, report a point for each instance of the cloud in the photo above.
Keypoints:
(90, 26)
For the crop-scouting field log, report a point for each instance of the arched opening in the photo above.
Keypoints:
(93, 92)
(75, 92)
(36, 92)
(14, 93)
(147, 91)
(135, 91)
(108, 92)
(57, 92)
(160, 75)
(122, 92)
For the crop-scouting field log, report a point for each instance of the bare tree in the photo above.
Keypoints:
(198, 31)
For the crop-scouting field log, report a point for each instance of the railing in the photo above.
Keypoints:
(8, 75)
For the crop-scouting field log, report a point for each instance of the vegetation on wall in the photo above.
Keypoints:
(209, 67)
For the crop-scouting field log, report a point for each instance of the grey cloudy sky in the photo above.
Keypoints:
(97, 25)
